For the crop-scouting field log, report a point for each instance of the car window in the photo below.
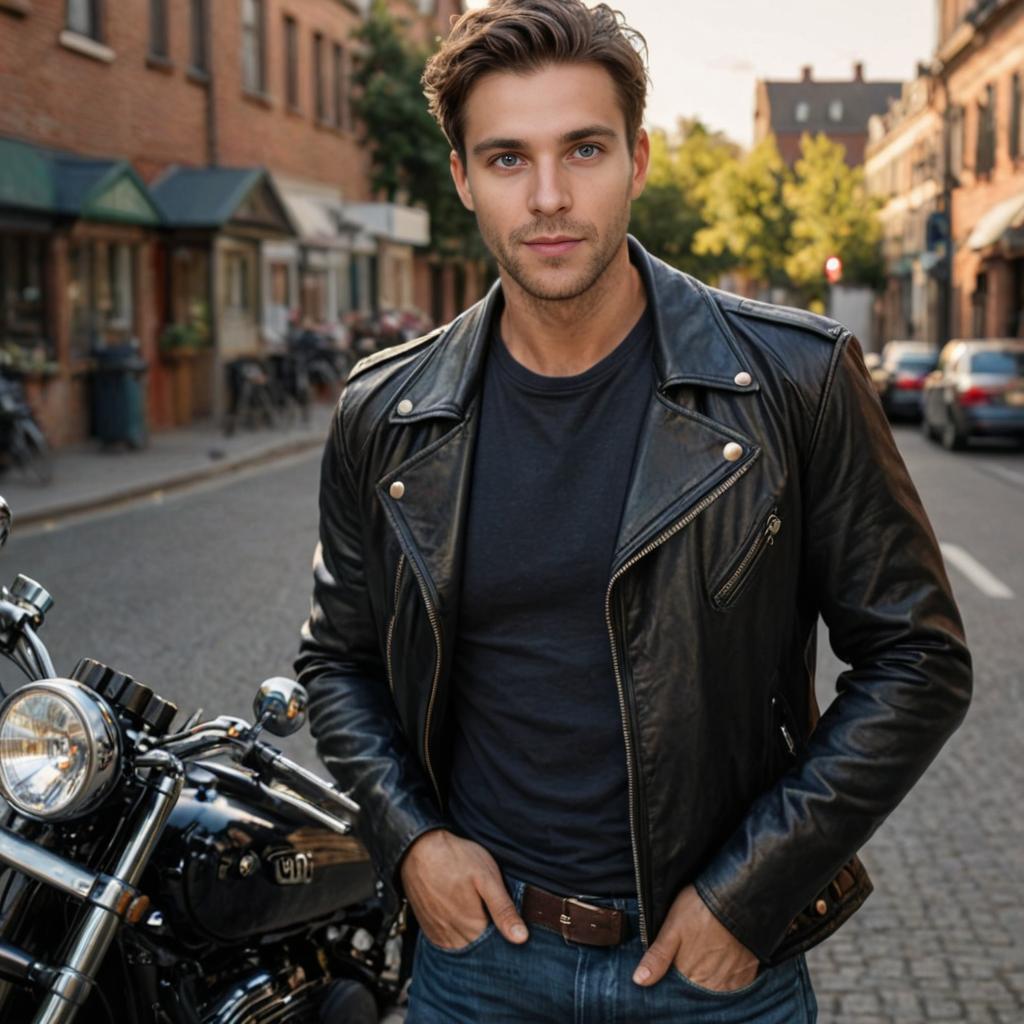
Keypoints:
(916, 363)
(1007, 364)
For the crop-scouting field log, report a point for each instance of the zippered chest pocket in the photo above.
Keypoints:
(754, 554)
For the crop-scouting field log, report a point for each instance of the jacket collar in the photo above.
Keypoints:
(692, 344)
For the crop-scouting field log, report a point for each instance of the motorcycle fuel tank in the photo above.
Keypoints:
(234, 863)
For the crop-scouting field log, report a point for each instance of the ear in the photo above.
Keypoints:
(641, 163)
(461, 179)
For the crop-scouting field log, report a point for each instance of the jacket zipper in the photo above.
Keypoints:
(764, 540)
(432, 616)
(391, 625)
(707, 500)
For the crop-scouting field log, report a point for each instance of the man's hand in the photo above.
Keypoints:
(700, 946)
(452, 885)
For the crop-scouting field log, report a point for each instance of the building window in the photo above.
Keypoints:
(835, 110)
(23, 299)
(253, 45)
(956, 141)
(101, 295)
(319, 92)
(340, 87)
(158, 29)
(985, 150)
(291, 62)
(803, 111)
(979, 303)
(1015, 103)
(86, 18)
(199, 57)
(237, 293)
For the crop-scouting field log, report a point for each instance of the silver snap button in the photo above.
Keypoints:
(732, 451)
(404, 407)
(743, 379)
(397, 489)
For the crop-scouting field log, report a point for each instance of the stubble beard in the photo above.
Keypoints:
(543, 287)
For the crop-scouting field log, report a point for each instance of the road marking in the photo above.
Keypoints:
(1010, 475)
(988, 584)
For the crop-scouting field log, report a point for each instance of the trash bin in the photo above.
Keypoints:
(119, 395)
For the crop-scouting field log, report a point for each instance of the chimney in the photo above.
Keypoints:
(807, 73)
(858, 71)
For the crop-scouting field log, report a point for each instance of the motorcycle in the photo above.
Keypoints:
(161, 874)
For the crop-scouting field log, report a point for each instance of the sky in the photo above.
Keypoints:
(705, 55)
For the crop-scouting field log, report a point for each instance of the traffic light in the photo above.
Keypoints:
(833, 270)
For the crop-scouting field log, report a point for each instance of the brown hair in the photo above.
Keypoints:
(525, 35)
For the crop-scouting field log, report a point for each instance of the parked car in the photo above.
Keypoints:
(900, 377)
(977, 390)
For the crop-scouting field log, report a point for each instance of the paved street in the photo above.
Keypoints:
(200, 596)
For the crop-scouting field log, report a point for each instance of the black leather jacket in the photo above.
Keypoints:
(767, 489)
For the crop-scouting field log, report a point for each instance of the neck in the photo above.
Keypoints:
(565, 337)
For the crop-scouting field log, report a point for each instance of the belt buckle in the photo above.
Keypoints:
(565, 918)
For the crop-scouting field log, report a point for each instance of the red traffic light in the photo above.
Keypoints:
(833, 269)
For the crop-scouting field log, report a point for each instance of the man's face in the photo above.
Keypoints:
(549, 175)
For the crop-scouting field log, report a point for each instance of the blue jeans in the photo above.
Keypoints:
(547, 979)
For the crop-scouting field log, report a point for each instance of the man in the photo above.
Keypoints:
(573, 549)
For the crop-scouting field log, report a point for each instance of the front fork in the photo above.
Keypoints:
(111, 899)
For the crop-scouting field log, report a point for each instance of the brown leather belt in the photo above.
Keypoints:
(573, 919)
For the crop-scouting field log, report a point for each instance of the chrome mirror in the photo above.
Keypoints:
(5, 522)
(280, 706)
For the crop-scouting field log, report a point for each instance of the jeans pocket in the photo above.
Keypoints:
(759, 979)
(488, 931)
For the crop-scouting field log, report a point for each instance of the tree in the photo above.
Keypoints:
(668, 215)
(747, 215)
(833, 215)
(408, 152)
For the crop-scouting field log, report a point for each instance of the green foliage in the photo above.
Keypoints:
(408, 152)
(747, 216)
(671, 211)
(833, 215)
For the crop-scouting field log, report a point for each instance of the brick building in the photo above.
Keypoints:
(903, 165)
(980, 57)
(839, 109)
(193, 165)
(949, 160)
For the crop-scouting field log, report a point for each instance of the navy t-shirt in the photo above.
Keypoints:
(538, 757)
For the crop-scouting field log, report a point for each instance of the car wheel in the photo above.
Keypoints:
(952, 439)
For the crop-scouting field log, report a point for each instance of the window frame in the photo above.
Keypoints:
(95, 30)
(319, 92)
(199, 37)
(291, 62)
(159, 44)
(254, 35)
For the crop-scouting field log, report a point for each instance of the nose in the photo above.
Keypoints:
(550, 194)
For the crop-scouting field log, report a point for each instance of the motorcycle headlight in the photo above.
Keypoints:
(60, 747)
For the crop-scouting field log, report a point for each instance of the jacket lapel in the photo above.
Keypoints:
(682, 456)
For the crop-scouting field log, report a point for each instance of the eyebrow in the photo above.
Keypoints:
(576, 135)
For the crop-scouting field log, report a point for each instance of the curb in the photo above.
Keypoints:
(178, 481)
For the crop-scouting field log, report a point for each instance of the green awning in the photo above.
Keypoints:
(213, 197)
(50, 181)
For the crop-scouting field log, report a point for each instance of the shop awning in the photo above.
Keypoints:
(994, 224)
(55, 182)
(213, 197)
(318, 212)
(406, 225)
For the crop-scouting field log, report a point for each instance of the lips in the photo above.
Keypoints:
(556, 245)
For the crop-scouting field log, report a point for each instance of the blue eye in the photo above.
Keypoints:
(506, 160)
(591, 149)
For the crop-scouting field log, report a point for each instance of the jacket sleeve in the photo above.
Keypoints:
(873, 567)
(351, 713)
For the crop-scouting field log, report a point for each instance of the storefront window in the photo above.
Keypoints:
(238, 297)
(190, 275)
(101, 290)
(22, 299)
(314, 294)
